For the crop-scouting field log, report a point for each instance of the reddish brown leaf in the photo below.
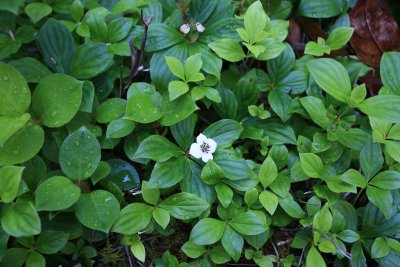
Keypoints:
(375, 31)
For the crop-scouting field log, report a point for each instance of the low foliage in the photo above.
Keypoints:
(190, 133)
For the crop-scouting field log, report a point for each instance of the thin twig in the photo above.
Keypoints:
(277, 253)
(137, 56)
(344, 253)
(128, 253)
(301, 256)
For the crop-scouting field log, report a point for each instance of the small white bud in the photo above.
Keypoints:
(200, 27)
(185, 28)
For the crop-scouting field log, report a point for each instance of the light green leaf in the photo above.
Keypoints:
(312, 165)
(224, 194)
(184, 206)
(176, 89)
(382, 107)
(382, 198)
(21, 219)
(224, 132)
(332, 77)
(386, 180)
(97, 210)
(138, 250)
(255, 20)
(249, 223)
(232, 242)
(316, 109)
(15, 96)
(228, 49)
(192, 250)
(273, 48)
(314, 258)
(269, 201)
(56, 193)
(35, 259)
(80, 154)
(10, 178)
(339, 37)
(133, 218)
(56, 99)
(380, 248)
(390, 72)
(268, 172)
(167, 174)
(161, 216)
(176, 67)
(37, 11)
(207, 231)
(157, 148)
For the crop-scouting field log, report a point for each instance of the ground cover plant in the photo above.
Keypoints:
(199, 133)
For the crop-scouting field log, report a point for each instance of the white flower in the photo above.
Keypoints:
(203, 148)
(200, 27)
(185, 28)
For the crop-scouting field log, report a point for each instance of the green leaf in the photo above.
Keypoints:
(380, 248)
(382, 107)
(161, 36)
(339, 37)
(177, 110)
(312, 165)
(80, 154)
(228, 49)
(321, 9)
(233, 166)
(167, 174)
(21, 219)
(390, 72)
(111, 109)
(192, 250)
(161, 216)
(353, 138)
(57, 45)
(292, 208)
(11, 6)
(193, 66)
(224, 132)
(255, 21)
(120, 128)
(184, 206)
(314, 258)
(37, 11)
(22, 146)
(381, 198)
(118, 29)
(32, 69)
(176, 89)
(273, 48)
(56, 99)
(359, 93)
(90, 60)
(50, 242)
(15, 96)
(176, 67)
(249, 223)
(268, 172)
(387, 180)
(134, 218)
(269, 201)
(56, 193)
(10, 178)
(211, 173)
(312, 48)
(332, 77)
(150, 195)
(219, 255)
(323, 219)
(316, 109)
(157, 148)
(35, 260)
(138, 250)
(183, 131)
(207, 231)
(232, 243)
(97, 210)
(224, 194)
(102, 171)
(348, 236)
(371, 159)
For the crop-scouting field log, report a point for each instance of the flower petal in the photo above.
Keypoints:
(201, 139)
(206, 157)
(200, 27)
(212, 144)
(185, 28)
(195, 150)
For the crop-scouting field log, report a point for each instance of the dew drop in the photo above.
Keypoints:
(5, 78)
(69, 164)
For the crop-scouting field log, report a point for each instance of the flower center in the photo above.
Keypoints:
(205, 148)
